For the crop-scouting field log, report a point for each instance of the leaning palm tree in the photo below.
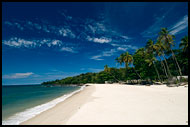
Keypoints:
(108, 70)
(184, 44)
(149, 46)
(120, 59)
(128, 59)
(151, 61)
(141, 52)
(150, 55)
(167, 40)
(157, 48)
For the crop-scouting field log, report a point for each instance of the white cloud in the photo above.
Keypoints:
(111, 52)
(97, 57)
(18, 75)
(108, 53)
(104, 53)
(17, 42)
(100, 28)
(115, 45)
(180, 25)
(66, 32)
(56, 42)
(102, 40)
(51, 43)
(99, 40)
(68, 49)
(126, 37)
(130, 47)
(122, 49)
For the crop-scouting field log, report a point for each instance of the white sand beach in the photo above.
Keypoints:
(118, 104)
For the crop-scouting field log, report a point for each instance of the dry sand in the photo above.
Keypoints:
(120, 104)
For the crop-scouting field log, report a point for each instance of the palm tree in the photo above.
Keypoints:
(120, 59)
(184, 44)
(128, 59)
(108, 70)
(149, 46)
(167, 40)
(157, 48)
(142, 53)
(150, 55)
(151, 61)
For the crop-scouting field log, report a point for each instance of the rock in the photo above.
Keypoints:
(183, 84)
(172, 85)
(157, 83)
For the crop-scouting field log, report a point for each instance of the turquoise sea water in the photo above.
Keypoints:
(21, 102)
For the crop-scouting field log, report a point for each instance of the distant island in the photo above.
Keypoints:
(156, 62)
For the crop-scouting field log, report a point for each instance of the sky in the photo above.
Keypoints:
(44, 41)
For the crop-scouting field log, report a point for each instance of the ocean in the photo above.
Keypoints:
(22, 102)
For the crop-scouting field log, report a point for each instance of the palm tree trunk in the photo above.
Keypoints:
(114, 77)
(126, 70)
(169, 73)
(176, 62)
(163, 67)
(136, 72)
(157, 71)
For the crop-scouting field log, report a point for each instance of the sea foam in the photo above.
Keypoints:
(20, 117)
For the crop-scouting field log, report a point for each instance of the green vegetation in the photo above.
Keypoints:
(157, 61)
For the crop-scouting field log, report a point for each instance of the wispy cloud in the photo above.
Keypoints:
(74, 28)
(64, 31)
(15, 24)
(153, 29)
(17, 75)
(103, 54)
(109, 53)
(94, 69)
(97, 57)
(113, 51)
(121, 47)
(19, 42)
(68, 49)
(180, 25)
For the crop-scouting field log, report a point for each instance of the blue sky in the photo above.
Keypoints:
(48, 41)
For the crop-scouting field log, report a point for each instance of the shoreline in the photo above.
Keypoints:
(29, 113)
(119, 104)
(65, 106)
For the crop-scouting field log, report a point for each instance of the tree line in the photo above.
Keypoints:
(157, 61)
